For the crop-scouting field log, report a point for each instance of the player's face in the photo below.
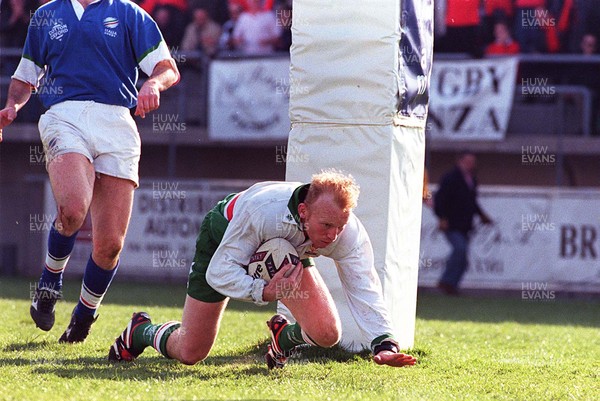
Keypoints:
(323, 221)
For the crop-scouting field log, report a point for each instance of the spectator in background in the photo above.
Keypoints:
(536, 27)
(256, 31)
(589, 44)
(283, 13)
(494, 11)
(202, 33)
(171, 16)
(226, 42)
(245, 4)
(537, 31)
(578, 18)
(14, 20)
(455, 204)
(462, 28)
(171, 23)
(218, 10)
(503, 41)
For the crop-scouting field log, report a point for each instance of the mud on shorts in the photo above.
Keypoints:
(211, 233)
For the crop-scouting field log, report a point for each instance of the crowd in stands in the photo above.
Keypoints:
(213, 27)
(258, 27)
(494, 27)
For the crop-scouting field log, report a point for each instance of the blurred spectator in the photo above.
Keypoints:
(151, 5)
(283, 13)
(226, 40)
(14, 20)
(462, 28)
(494, 11)
(503, 42)
(256, 31)
(218, 10)
(589, 44)
(202, 33)
(170, 22)
(245, 4)
(536, 29)
(456, 204)
(577, 18)
(171, 17)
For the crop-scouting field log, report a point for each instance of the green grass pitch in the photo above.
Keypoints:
(469, 348)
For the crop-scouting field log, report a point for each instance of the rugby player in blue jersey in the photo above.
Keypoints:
(83, 57)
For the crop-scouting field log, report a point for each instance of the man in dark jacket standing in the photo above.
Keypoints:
(455, 205)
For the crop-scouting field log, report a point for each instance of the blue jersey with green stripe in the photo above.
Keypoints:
(94, 58)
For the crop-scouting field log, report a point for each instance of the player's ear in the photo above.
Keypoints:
(302, 211)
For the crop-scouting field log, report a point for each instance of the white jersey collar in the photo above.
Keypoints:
(79, 8)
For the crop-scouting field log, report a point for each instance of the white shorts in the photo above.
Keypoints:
(105, 134)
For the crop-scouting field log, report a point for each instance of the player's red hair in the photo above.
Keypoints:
(344, 189)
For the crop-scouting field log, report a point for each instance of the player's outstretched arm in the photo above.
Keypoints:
(394, 359)
(164, 75)
(19, 93)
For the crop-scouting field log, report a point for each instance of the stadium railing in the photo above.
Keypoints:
(573, 109)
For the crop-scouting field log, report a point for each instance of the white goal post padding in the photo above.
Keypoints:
(358, 103)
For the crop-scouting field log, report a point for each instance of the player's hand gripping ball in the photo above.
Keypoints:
(271, 256)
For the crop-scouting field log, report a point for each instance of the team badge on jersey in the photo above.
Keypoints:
(58, 31)
(110, 23)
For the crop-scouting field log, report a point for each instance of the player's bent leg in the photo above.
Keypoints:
(317, 324)
(72, 180)
(192, 342)
(314, 310)
(110, 210)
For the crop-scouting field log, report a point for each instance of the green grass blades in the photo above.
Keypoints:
(469, 348)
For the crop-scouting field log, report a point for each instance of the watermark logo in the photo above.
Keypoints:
(537, 18)
(289, 87)
(37, 156)
(168, 259)
(53, 293)
(536, 291)
(281, 218)
(537, 87)
(39, 222)
(168, 123)
(43, 18)
(48, 87)
(290, 154)
(167, 190)
(425, 263)
(177, 55)
(536, 222)
(537, 156)
(284, 18)
(290, 291)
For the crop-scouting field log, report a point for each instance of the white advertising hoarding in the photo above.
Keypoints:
(545, 236)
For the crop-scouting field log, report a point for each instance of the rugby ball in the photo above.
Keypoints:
(271, 256)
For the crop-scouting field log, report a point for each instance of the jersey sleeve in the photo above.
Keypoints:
(361, 284)
(226, 272)
(31, 68)
(148, 44)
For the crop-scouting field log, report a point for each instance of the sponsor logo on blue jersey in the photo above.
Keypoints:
(58, 31)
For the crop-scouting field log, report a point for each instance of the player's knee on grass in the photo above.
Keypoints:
(326, 338)
(192, 357)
